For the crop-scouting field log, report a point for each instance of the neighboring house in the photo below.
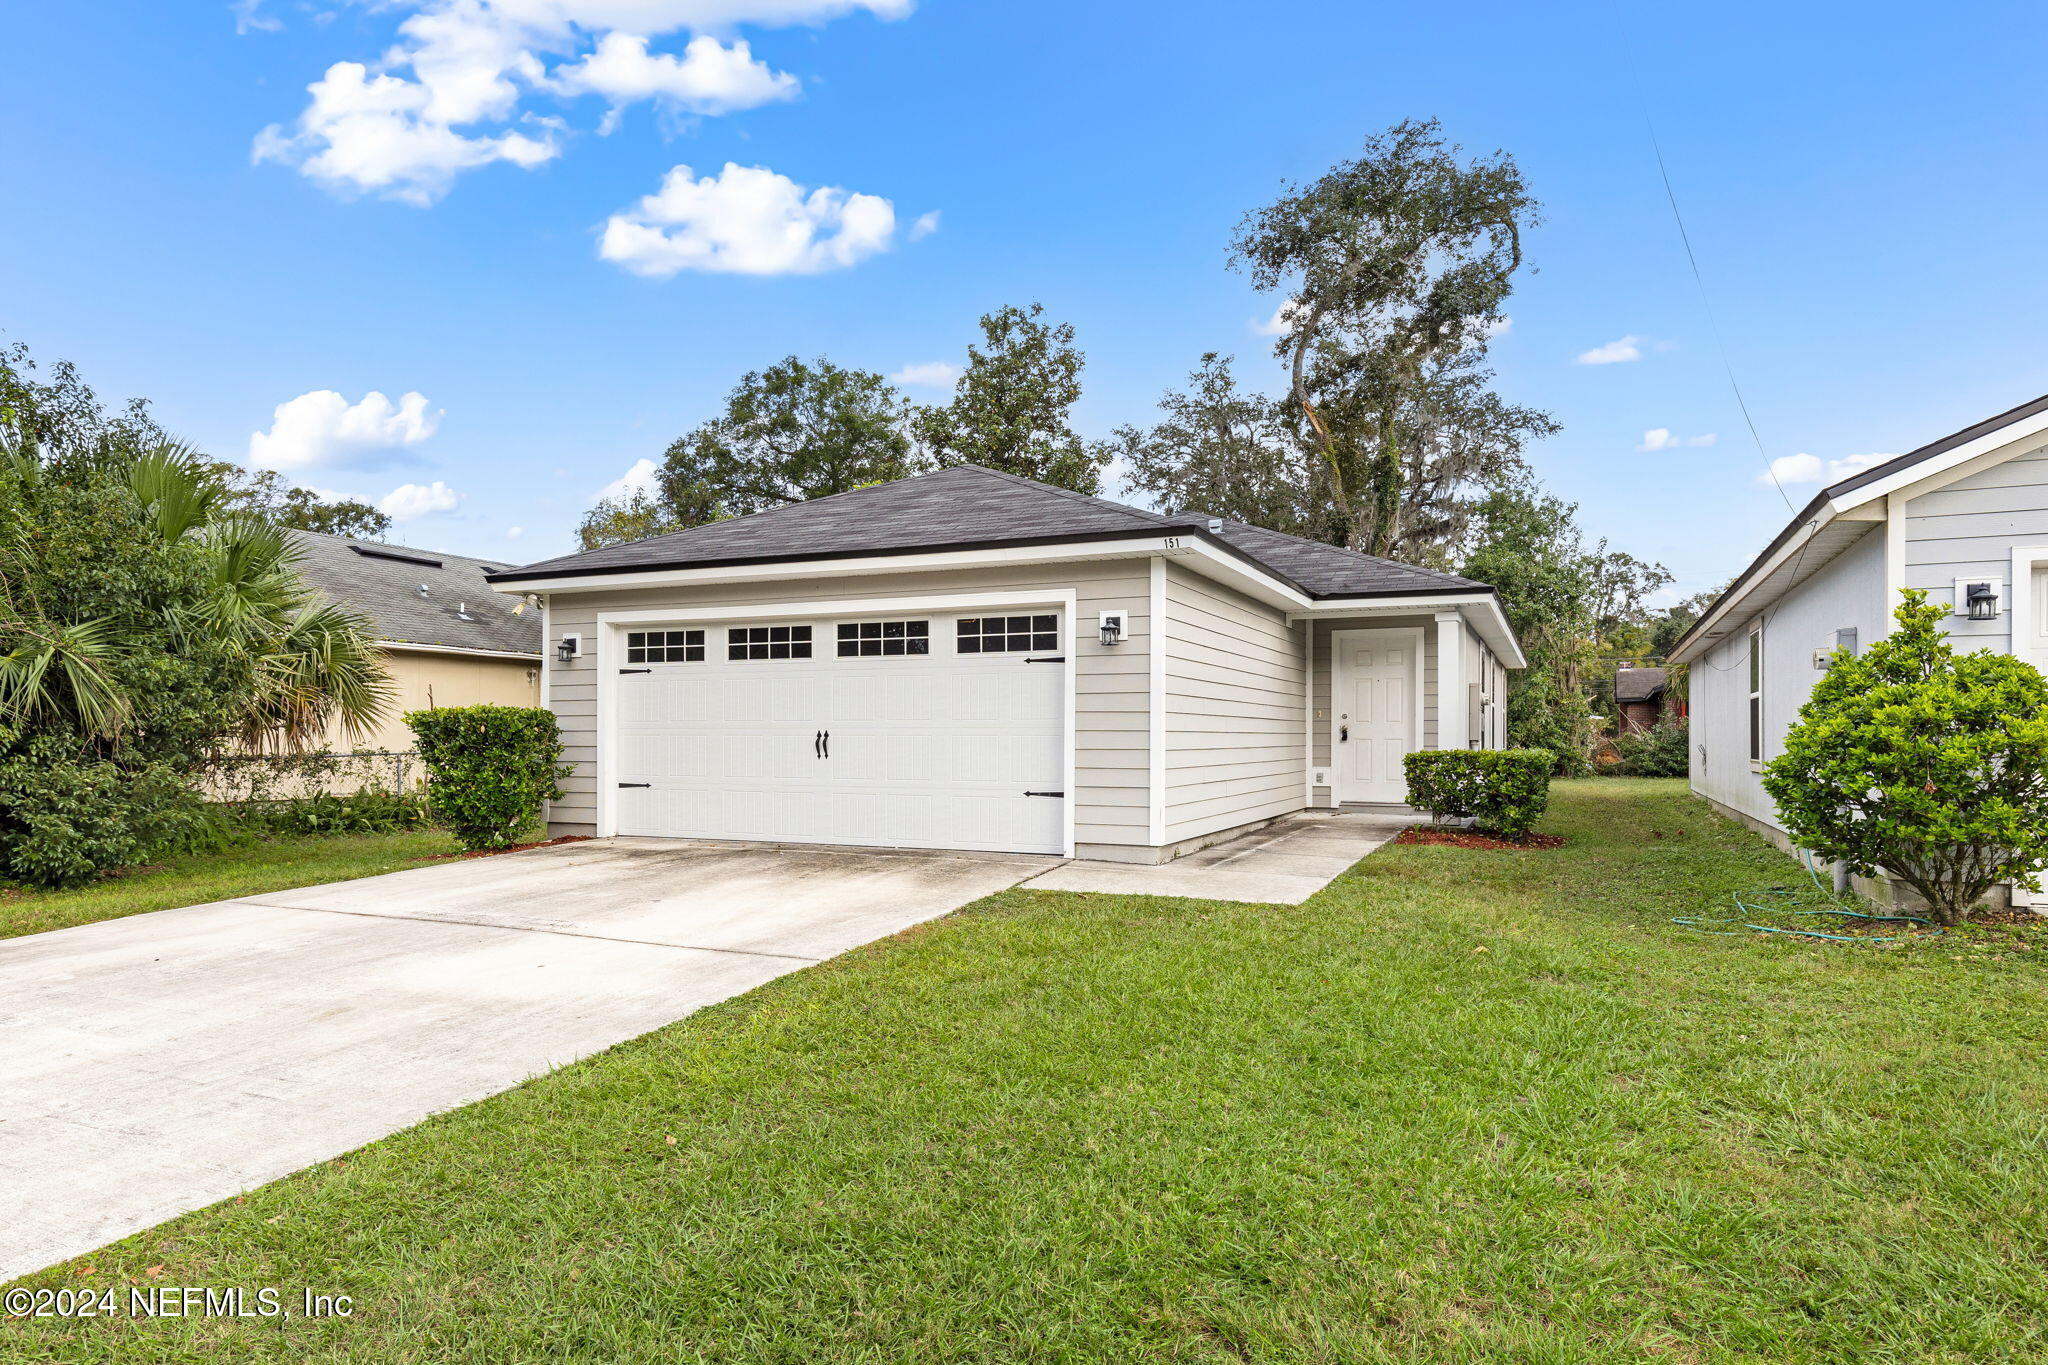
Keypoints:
(1639, 699)
(1965, 518)
(973, 660)
(449, 639)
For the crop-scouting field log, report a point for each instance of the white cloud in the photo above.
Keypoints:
(1281, 323)
(322, 429)
(925, 226)
(1661, 438)
(514, 532)
(710, 78)
(641, 478)
(410, 501)
(1614, 352)
(249, 17)
(1804, 468)
(936, 374)
(746, 220)
(405, 125)
(372, 134)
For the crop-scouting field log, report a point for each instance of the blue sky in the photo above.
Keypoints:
(1862, 185)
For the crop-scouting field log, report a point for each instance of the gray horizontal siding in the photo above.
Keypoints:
(1233, 682)
(1970, 529)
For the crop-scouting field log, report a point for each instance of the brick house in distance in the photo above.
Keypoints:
(1639, 699)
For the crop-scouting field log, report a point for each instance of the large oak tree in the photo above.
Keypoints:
(1394, 264)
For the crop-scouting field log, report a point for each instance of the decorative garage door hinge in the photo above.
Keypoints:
(636, 670)
(636, 784)
(1045, 793)
(1052, 659)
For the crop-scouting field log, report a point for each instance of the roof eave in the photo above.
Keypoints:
(1851, 497)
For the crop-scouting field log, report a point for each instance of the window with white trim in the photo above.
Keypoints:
(1007, 634)
(1756, 696)
(768, 642)
(882, 639)
(665, 647)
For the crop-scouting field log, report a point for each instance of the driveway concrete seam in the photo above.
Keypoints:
(522, 929)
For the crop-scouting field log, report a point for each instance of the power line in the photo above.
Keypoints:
(1712, 324)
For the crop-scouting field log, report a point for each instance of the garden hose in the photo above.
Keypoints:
(1697, 923)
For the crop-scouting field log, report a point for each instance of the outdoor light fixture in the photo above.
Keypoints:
(1113, 623)
(568, 648)
(1983, 600)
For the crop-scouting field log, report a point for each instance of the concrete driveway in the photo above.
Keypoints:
(163, 1062)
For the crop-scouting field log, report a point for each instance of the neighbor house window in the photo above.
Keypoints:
(1756, 695)
(665, 647)
(768, 642)
(873, 639)
(1007, 634)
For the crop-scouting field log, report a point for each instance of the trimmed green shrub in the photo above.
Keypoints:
(1505, 791)
(1924, 764)
(1660, 751)
(489, 769)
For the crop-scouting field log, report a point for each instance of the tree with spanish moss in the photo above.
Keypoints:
(1389, 265)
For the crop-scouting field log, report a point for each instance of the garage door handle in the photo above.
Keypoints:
(817, 744)
(828, 744)
(636, 784)
(1045, 793)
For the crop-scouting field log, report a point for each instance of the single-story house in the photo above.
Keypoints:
(1639, 698)
(972, 660)
(1964, 517)
(448, 638)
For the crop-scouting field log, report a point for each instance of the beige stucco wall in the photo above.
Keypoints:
(421, 678)
(1234, 702)
(1111, 737)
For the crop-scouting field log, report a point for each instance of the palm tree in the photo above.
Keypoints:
(309, 660)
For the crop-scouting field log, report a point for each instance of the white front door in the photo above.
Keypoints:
(1374, 687)
(948, 731)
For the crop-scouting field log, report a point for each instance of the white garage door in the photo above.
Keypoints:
(932, 731)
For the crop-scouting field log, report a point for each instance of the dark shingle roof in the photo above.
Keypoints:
(1639, 684)
(385, 582)
(969, 507)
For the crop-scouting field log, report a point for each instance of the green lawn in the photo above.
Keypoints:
(268, 865)
(1462, 1106)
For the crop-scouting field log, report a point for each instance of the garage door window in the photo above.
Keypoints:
(665, 647)
(1007, 634)
(768, 642)
(876, 639)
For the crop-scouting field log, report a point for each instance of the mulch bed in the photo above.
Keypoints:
(2027, 917)
(510, 848)
(1465, 838)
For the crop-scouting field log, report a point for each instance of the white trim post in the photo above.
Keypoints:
(1894, 559)
(1155, 700)
(1308, 714)
(1450, 682)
